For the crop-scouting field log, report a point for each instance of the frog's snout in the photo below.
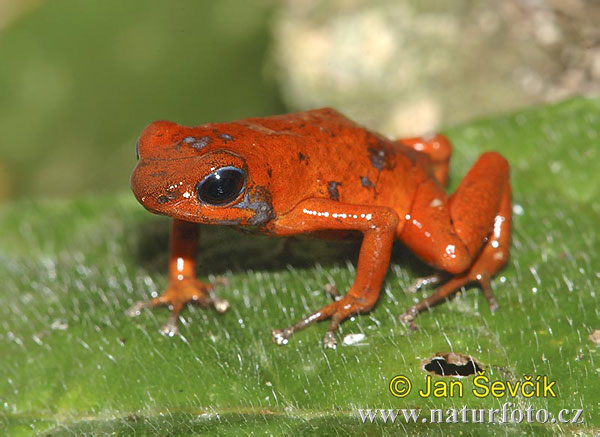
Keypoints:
(137, 187)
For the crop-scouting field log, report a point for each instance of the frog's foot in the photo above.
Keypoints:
(445, 290)
(176, 297)
(337, 311)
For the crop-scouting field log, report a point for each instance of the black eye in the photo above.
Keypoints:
(221, 186)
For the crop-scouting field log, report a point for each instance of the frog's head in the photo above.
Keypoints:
(193, 174)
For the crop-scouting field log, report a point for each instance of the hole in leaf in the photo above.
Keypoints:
(452, 364)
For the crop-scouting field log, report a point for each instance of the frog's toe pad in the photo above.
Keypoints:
(221, 305)
(281, 336)
(329, 341)
(408, 318)
(170, 328)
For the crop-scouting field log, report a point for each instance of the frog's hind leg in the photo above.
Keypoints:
(485, 191)
(437, 148)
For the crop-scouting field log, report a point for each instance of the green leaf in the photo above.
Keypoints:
(72, 362)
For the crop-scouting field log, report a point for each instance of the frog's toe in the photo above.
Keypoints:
(136, 309)
(170, 328)
(333, 292)
(486, 287)
(221, 305)
(281, 336)
(419, 283)
(329, 341)
(408, 317)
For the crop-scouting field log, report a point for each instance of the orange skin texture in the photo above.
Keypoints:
(319, 173)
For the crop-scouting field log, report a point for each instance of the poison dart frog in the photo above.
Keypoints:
(319, 173)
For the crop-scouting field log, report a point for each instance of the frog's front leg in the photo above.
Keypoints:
(378, 226)
(183, 285)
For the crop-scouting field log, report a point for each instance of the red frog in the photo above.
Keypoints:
(319, 173)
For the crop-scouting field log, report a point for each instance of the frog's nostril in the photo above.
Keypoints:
(137, 149)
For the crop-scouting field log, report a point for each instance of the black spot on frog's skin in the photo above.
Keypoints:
(301, 157)
(377, 157)
(226, 137)
(332, 188)
(366, 182)
(166, 198)
(270, 172)
(198, 143)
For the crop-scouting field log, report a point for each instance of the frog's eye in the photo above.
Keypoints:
(222, 186)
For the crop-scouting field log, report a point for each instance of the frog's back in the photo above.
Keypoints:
(323, 154)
